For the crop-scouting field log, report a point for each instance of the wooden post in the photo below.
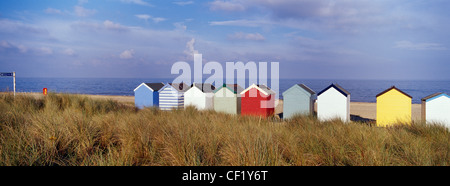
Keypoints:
(424, 111)
(14, 82)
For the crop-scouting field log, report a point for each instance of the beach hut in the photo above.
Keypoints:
(171, 96)
(147, 95)
(258, 100)
(393, 107)
(299, 99)
(227, 99)
(200, 96)
(436, 109)
(333, 102)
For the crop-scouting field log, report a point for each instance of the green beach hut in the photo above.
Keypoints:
(227, 99)
(299, 99)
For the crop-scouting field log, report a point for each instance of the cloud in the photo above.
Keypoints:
(143, 16)
(20, 49)
(147, 17)
(183, 3)
(247, 36)
(83, 12)
(345, 15)
(180, 26)
(103, 39)
(97, 27)
(226, 6)
(158, 19)
(17, 27)
(44, 51)
(190, 50)
(242, 22)
(127, 54)
(137, 2)
(52, 11)
(8, 45)
(5, 44)
(69, 52)
(298, 8)
(419, 46)
(109, 25)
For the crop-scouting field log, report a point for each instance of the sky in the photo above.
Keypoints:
(310, 39)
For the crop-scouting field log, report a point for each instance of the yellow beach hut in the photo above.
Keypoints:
(393, 107)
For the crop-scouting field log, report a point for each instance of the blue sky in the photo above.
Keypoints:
(313, 39)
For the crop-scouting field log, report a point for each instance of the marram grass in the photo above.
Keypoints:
(63, 129)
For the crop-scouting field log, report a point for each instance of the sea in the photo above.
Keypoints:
(360, 90)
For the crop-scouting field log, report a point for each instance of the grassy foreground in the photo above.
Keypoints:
(63, 129)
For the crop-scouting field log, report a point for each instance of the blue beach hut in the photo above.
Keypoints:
(147, 95)
(299, 99)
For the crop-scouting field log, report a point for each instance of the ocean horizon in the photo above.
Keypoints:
(360, 90)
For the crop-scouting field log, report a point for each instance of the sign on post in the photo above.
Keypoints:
(13, 74)
(6, 73)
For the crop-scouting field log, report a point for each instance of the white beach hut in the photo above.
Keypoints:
(200, 96)
(436, 109)
(333, 102)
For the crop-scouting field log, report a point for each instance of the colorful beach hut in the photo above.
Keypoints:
(333, 102)
(147, 95)
(436, 109)
(393, 107)
(299, 99)
(258, 100)
(227, 99)
(200, 96)
(171, 96)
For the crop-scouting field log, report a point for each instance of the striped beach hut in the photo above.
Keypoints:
(227, 99)
(393, 107)
(200, 96)
(436, 109)
(147, 95)
(299, 99)
(333, 102)
(258, 100)
(171, 96)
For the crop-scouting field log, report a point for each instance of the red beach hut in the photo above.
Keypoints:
(258, 100)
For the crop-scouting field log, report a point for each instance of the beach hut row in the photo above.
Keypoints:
(393, 105)
(257, 100)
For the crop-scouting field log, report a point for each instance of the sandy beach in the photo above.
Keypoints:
(361, 110)
(369, 110)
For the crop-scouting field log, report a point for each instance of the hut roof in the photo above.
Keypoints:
(337, 87)
(151, 86)
(433, 95)
(307, 89)
(180, 87)
(204, 87)
(235, 88)
(393, 87)
(263, 88)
